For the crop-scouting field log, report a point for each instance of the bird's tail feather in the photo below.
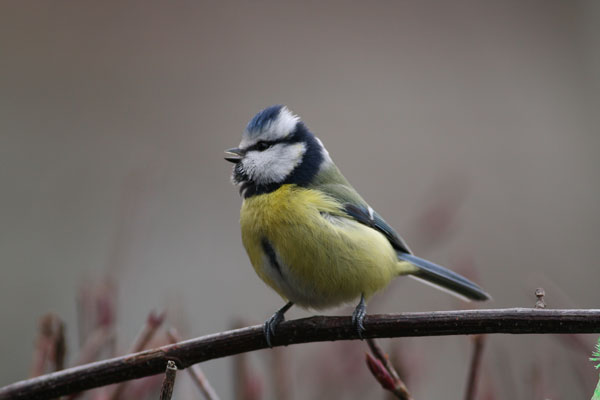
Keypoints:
(444, 279)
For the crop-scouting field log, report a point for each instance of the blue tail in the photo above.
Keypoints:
(444, 278)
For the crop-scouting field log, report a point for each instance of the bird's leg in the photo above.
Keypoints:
(358, 316)
(276, 319)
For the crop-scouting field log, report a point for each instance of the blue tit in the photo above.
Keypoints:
(308, 233)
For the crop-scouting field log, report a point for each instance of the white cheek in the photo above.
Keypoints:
(275, 164)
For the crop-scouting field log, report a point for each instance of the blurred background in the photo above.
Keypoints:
(472, 127)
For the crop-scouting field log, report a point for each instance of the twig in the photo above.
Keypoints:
(478, 342)
(406, 366)
(314, 329)
(385, 373)
(50, 347)
(166, 392)
(153, 322)
(381, 356)
(195, 372)
(94, 345)
(247, 383)
(280, 373)
(96, 307)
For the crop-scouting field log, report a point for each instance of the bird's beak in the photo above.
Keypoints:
(234, 155)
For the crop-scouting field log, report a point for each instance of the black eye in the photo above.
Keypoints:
(261, 146)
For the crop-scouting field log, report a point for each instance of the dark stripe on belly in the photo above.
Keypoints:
(270, 252)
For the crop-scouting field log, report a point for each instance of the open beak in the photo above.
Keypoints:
(234, 155)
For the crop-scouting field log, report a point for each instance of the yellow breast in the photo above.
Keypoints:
(322, 257)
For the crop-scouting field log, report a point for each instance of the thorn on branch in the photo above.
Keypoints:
(166, 391)
(195, 371)
(385, 373)
(540, 293)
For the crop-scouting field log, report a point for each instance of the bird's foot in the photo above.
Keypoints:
(272, 323)
(358, 316)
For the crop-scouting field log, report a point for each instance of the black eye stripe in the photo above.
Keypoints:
(291, 138)
(259, 145)
(264, 144)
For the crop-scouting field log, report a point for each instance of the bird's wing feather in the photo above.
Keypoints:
(369, 217)
(332, 182)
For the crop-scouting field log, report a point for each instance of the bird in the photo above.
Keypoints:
(309, 234)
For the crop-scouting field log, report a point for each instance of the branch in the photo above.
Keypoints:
(314, 329)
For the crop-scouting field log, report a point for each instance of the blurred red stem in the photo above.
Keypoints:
(478, 344)
(50, 348)
(397, 387)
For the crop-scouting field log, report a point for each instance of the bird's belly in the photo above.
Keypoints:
(310, 256)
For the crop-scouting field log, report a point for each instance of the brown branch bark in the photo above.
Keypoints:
(314, 329)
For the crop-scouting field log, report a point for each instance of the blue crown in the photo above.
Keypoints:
(261, 120)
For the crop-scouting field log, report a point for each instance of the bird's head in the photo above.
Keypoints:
(276, 149)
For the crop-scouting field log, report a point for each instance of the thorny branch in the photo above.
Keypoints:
(314, 329)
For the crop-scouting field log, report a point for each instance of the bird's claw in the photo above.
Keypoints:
(270, 325)
(358, 317)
